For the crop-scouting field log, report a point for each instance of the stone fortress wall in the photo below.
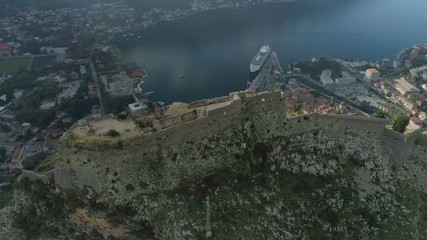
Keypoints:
(191, 146)
(263, 108)
(85, 166)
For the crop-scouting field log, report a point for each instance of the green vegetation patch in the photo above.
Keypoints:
(11, 65)
(113, 141)
(100, 144)
(316, 68)
(400, 123)
(409, 221)
(421, 59)
(6, 197)
(47, 164)
(31, 218)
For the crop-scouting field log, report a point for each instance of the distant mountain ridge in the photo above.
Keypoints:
(10, 7)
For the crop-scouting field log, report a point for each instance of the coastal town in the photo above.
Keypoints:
(103, 20)
(59, 67)
(395, 87)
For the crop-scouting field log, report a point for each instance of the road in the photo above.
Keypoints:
(10, 145)
(310, 83)
(375, 91)
(265, 79)
(98, 88)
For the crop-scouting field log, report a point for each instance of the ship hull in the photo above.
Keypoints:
(253, 75)
(260, 58)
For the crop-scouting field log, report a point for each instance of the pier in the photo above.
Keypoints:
(266, 79)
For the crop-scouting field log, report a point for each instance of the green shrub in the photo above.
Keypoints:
(113, 133)
(130, 187)
(400, 123)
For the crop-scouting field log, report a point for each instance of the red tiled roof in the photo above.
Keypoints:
(137, 74)
(16, 156)
(416, 120)
(4, 46)
(17, 153)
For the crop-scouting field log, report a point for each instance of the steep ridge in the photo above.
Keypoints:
(237, 169)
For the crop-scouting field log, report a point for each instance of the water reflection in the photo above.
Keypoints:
(212, 50)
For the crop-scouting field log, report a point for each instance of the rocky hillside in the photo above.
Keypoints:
(313, 178)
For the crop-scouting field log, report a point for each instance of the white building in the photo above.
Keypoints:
(25, 127)
(415, 71)
(422, 116)
(83, 69)
(407, 103)
(60, 52)
(326, 80)
(327, 73)
(372, 74)
(404, 87)
(345, 79)
(137, 108)
(397, 63)
(387, 63)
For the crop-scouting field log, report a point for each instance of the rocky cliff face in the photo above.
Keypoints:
(310, 177)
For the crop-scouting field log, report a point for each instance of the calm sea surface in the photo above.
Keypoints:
(213, 49)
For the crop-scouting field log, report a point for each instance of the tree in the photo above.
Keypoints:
(365, 104)
(4, 127)
(379, 114)
(116, 104)
(400, 123)
(3, 151)
(113, 133)
(316, 68)
(33, 46)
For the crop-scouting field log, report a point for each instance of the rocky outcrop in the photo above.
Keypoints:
(258, 175)
(8, 229)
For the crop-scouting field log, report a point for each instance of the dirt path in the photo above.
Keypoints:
(82, 216)
(417, 217)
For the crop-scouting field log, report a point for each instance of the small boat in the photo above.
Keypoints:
(182, 76)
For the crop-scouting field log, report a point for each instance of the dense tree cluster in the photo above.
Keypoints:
(27, 108)
(379, 114)
(3, 152)
(421, 59)
(116, 104)
(316, 68)
(400, 123)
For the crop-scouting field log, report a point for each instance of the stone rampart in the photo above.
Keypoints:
(421, 139)
(267, 112)
(400, 144)
(84, 166)
(334, 125)
(216, 121)
(394, 140)
(33, 176)
(409, 144)
(224, 138)
(175, 120)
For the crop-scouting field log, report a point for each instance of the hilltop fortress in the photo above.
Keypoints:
(202, 138)
(232, 166)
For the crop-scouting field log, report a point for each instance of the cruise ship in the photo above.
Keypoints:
(259, 59)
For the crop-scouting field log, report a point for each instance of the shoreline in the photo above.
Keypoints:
(192, 12)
